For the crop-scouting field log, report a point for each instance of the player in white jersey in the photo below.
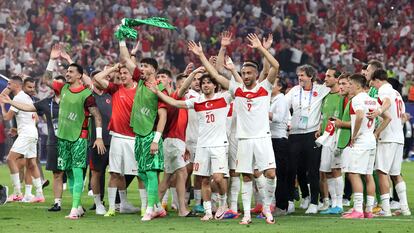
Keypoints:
(252, 104)
(363, 144)
(26, 142)
(211, 155)
(390, 143)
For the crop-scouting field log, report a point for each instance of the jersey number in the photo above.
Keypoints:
(399, 104)
(210, 118)
(196, 166)
(370, 121)
(249, 106)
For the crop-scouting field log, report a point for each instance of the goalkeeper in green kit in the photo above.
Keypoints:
(148, 119)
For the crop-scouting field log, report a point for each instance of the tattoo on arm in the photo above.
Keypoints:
(96, 115)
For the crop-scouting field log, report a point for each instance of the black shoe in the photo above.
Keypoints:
(45, 184)
(296, 194)
(93, 207)
(3, 194)
(55, 208)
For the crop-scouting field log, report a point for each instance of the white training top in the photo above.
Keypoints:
(365, 138)
(191, 133)
(26, 121)
(279, 123)
(252, 109)
(212, 117)
(394, 131)
(306, 106)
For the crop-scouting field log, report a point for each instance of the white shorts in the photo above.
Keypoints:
(255, 153)
(26, 146)
(191, 147)
(330, 159)
(345, 158)
(210, 160)
(122, 156)
(389, 158)
(174, 150)
(360, 161)
(232, 153)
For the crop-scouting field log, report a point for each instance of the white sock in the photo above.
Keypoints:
(16, 183)
(261, 186)
(149, 210)
(358, 200)
(58, 201)
(222, 199)
(269, 193)
(122, 197)
(370, 203)
(144, 198)
(207, 207)
(111, 197)
(247, 191)
(165, 197)
(339, 189)
(234, 192)
(332, 190)
(27, 190)
(385, 202)
(37, 183)
(97, 199)
(214, 199)
(174, 198)
(401, 189)
(197, 196)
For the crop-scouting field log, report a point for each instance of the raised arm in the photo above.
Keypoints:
(256, 44)
(100, 78)
(167, 99)
(125, 58)
(267, 44)
(134, 52)
(48, 75)
(187, 82)
(198, 50)
(230, 66)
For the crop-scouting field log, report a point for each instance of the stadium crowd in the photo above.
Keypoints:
(129, 107)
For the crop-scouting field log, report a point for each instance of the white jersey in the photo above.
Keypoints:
(279, 122)
(26, 121)
(366, 138)
(231, 121)
(252, 109)
(212, 117)
(191, 133)
(306, 106)
(394, 131)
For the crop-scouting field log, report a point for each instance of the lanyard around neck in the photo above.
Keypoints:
(300, 97)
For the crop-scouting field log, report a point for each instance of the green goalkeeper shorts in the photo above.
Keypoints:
(145, 160)
(72, 154)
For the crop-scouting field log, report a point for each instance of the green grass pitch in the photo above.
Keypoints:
(23, 217)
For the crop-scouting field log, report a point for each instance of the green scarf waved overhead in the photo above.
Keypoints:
(126, 30)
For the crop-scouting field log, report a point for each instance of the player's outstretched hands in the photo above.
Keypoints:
(267, 42)
(5, 99)
(153, 88)
(135, 49)
(226, 38)
(229, 65)
(65, 55)
(189, 68)
(254, 41)
(200, 69)
(196, 49)
(55, 52)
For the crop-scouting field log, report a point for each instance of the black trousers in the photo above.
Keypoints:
(280, 148)
(305, 157)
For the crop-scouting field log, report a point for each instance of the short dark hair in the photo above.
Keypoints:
(78, 68)
(344, 76)
(166, 72)
(17, 79)
(379, 75)
(360, 79)
(309, 71)
(251, 63)
(150, 61)
(95, 72)
(207, 76)
(181, 76)
(60, 77)
(377, 64)
(282, 84)
(337, 73)
(28, 80)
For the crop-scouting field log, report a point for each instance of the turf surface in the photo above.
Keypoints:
(23, 217)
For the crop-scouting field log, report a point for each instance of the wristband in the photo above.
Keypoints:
(98, 132)
(157, 137)
(51, 65)
(122, 43)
